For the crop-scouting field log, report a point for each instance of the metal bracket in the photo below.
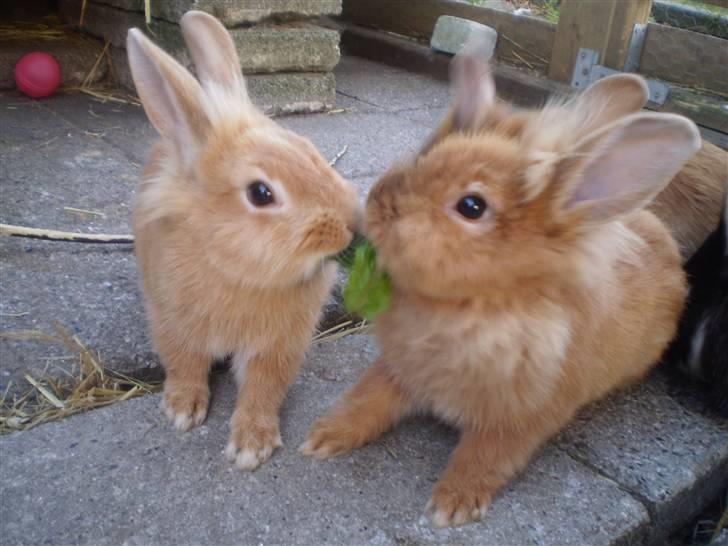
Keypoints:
(636, 45)
(587, 70)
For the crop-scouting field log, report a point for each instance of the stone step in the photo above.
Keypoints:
(274, 94)
(234, 12)
(292, 47)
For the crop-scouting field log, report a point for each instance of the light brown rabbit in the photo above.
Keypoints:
(527, 281)
(692, 202)
(233, 221)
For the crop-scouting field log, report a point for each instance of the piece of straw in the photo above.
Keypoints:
(54, 235)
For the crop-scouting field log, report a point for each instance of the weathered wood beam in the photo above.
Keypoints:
(602, 25)
(524, 41)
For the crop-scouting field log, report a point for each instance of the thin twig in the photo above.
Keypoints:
(91, 72)
(529, 65)
(53, 399)
(85, 211)
(342, 330)
(338, 156)
(336, 328)
(524, 49)
(83, 13)
(54, 235)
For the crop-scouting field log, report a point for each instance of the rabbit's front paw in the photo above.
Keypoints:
(252, 442)
(455, 502)
(331, 436)
(185, 404)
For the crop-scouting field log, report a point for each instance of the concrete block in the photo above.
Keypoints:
(274, 94)
(293, 48)
(656, 446)
(292, 92)
(452, 33)
(122, 475)
(235, 12)
(296, 47)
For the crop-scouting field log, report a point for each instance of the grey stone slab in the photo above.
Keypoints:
(375, 140)
(381, 86)
(452, 33)
(233, 12)
(122, 475)
(662, 450)
(299, 48)
(292, 92)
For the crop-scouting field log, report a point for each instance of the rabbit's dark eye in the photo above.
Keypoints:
(259, 194)
(471, 207)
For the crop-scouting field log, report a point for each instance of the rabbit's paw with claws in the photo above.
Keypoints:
(455, 502)
(330, 437)
(252, 442)
(185, 405)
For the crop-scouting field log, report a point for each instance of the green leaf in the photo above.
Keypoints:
(368, 290)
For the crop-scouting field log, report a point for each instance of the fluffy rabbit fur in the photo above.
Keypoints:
(230, 266)
(506, 323)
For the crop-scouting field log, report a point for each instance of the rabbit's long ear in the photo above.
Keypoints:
(472, 88)
(172, 98)
(610, 99)
(214, 54)
(622, 167)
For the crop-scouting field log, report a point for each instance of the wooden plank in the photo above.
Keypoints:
(719, 3)
(690, 58)
(602, 25)
(524, 41)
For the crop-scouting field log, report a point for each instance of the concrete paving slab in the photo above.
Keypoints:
(656, 446)
(122, 475)
(48, 165)
(89, 290)
(379, 86)
(375, 140)
(124, 126)
(428, 117)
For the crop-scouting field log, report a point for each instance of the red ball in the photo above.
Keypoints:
(37, 74)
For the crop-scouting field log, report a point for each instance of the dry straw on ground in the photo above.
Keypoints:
(90, 386)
